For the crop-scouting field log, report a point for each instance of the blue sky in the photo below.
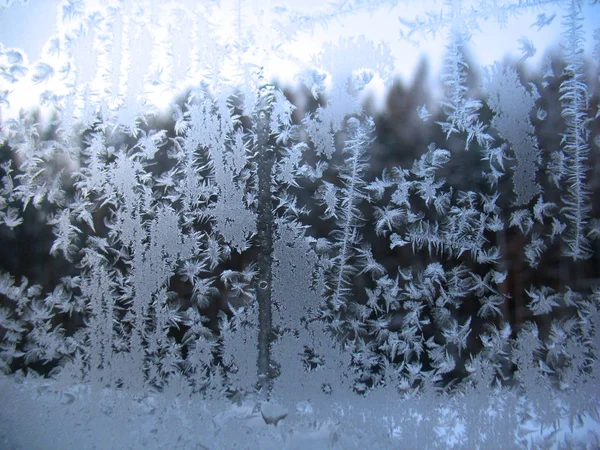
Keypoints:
(29, 27)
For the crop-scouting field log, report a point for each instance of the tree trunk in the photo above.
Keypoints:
(265, 160)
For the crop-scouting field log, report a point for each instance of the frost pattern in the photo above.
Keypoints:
(512, 104)
(254, 243)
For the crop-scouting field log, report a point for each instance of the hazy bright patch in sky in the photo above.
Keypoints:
(28, 27)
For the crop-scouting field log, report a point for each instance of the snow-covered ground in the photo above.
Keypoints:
(38, 414)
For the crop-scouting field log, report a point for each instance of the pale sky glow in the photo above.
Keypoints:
(28, 27)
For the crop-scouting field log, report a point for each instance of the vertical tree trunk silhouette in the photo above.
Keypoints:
(265, 160)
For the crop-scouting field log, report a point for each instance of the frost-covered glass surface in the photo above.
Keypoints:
(269, 224)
